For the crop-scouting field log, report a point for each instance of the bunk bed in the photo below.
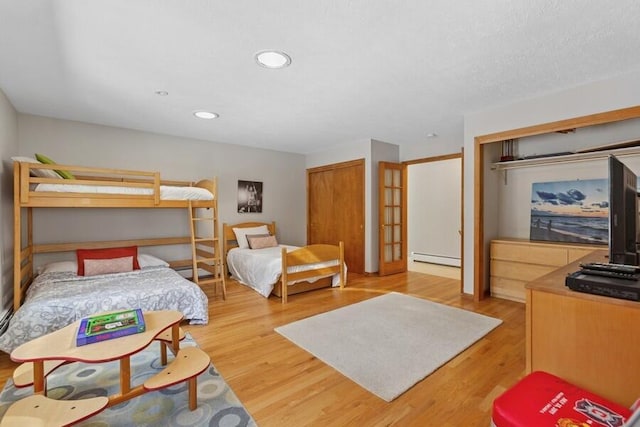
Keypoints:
(38, 185)
(277, 269)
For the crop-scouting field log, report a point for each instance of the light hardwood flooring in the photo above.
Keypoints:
(435, 269)
(281, 385)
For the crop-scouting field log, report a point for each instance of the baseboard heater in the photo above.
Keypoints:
(435, 259)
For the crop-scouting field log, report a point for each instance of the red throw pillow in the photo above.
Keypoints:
(130, 251)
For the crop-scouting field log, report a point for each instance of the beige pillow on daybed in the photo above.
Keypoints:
(261, 241)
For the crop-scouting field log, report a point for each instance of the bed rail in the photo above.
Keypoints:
(311, 255)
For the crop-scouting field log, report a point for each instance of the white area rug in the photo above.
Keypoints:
(388, 343)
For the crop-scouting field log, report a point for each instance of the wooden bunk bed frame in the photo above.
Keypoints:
(25, 197)
(305, 255)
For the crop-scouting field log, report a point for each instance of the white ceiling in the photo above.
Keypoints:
(388, 70)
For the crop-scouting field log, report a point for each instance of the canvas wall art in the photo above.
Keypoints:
(570, 211)
(249, 196)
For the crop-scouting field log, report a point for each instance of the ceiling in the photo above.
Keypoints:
(388, 70)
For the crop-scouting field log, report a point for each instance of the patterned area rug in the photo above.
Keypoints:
(217, 404)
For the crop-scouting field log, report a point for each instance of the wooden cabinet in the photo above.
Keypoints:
(516, 262)
(586, 339)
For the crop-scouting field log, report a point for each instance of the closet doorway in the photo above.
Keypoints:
(434, 215)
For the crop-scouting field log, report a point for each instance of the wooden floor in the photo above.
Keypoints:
(435, 269)
(282, 385)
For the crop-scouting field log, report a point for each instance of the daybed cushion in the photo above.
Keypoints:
(129, 251)
(42, 173)
(47, 161)
(241, 234)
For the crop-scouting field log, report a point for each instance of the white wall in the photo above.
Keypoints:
(282, 174)
(430, 147)
(434, 208)
(611, 94)
(8, 148)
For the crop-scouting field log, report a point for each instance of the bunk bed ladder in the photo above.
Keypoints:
(206, 254)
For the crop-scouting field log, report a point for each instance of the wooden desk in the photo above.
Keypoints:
(589, 340)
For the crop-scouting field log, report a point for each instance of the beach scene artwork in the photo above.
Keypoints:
(570, 211)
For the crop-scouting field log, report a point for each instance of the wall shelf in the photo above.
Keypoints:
(566, 158)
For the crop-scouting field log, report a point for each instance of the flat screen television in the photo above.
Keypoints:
(623, 214)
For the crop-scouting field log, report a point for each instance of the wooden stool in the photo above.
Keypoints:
(188, 364)
(40, 411)
(165, 340)
(23, 374)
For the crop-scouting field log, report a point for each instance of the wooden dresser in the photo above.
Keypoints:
(589, 340)
(515, 262)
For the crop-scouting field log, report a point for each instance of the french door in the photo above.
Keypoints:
(392, 218)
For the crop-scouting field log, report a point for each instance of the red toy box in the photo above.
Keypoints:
(544, 400)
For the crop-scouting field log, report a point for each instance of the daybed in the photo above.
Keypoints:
(279, 269)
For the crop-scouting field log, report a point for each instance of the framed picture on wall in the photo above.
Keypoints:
(570, 211)
(249, 196)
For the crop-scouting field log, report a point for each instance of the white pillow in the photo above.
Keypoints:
(241, 234)
(58, 267)
(146, 260)
(94, 267)
(42, 173)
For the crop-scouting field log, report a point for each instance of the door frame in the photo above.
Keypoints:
(439, 158)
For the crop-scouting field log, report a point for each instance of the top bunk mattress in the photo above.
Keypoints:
(167, 192)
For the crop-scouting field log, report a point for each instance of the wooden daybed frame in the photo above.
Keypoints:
(311, 254)
(25, 197)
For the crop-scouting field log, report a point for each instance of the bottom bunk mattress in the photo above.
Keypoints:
(260, 269)
(57, 299)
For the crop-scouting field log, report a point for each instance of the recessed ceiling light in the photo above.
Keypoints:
(162, 93)
(205, 115)
(273, 59)
(432, 135)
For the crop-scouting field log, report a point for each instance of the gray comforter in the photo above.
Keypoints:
(55, 300)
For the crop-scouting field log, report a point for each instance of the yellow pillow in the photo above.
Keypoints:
(44, 159)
